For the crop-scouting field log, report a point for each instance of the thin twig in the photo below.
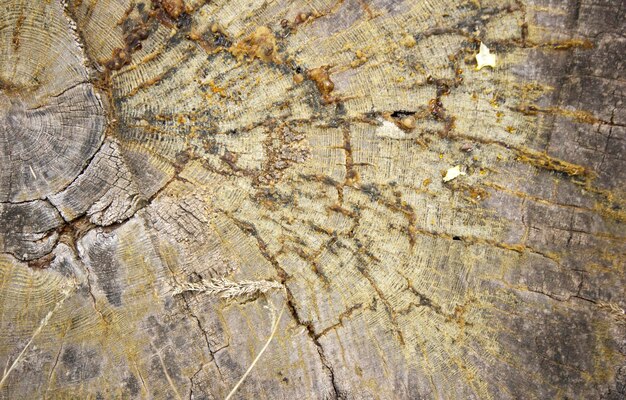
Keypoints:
(274, 328)
(167, 375)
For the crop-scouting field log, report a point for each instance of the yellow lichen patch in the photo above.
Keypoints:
(571, 44)
(408, 41)
(472, 193)
(530, 92)
(578, 115)
(542, 160)
(608, 211)
(260, 44)
(361, 58)
(484, 58)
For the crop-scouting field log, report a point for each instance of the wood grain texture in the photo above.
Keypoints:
(145, 144)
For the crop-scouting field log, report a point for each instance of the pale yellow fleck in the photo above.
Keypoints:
(484, 58)
(453, 173)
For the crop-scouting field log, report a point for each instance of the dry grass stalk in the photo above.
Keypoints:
(275, 321)
(44, 322)
(224, 288)
(227, 289)
(167, 375)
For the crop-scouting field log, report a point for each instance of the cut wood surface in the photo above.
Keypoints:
(432, 191)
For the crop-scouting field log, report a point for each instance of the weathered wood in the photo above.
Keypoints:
(148, 144)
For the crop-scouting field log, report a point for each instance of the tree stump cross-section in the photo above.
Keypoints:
(432, 192)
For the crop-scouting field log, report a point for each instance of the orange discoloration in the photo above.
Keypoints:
(298, 78)
(322, 80)
(119, 58)
(217, 89)
(173, 8)
(407, 123)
